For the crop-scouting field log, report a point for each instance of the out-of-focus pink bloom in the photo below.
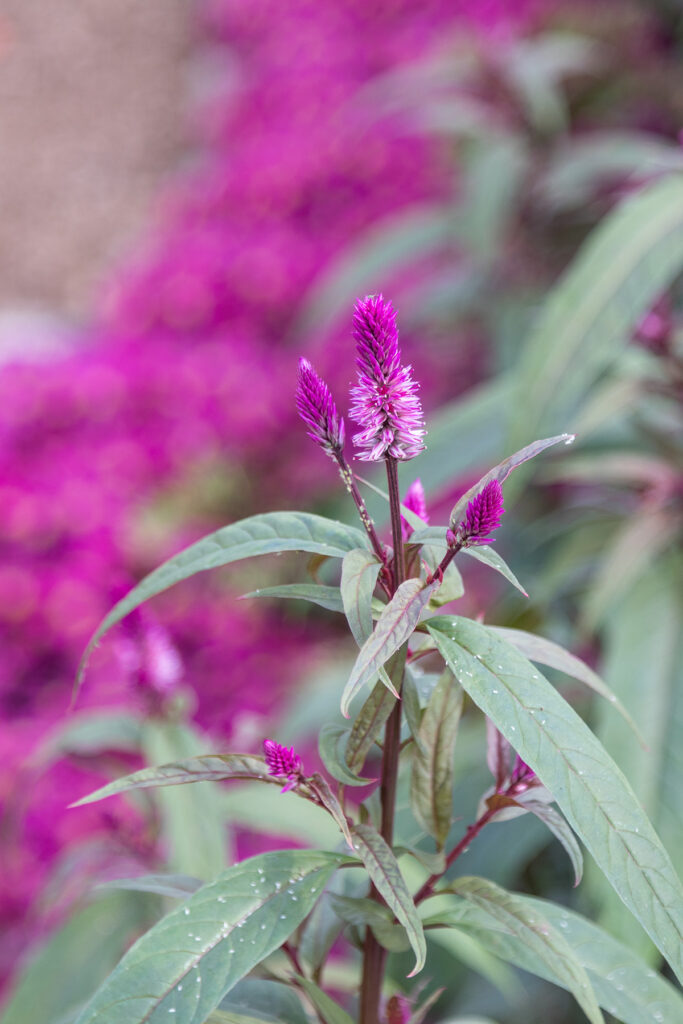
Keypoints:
(415, 501)
(316, 407)
(385, 403)
(282, 761)
(398, 1010)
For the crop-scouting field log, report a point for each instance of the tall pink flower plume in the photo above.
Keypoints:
(316, 407)
(483, 516)
(385, 403)
(282, 761)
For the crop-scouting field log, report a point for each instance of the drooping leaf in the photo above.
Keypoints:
(257, 535)
(368, 724)
(257, 1000)
(502, 471)
(412, 708)
(431, 789)
(332, 742)
(394, 626)
(177, 887)
(192, 958)
(328, 1010)
(316, 593)
(489, 556)
(545, 652)
(561, 830)
(385, 873)
(359, 576)
(530, 930)
(324, 795)
(588, 787)
(362, 912)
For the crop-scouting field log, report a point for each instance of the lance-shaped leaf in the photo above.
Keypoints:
(324, 795)
(257, 535)
(361, 912)
(329, 1011)
(385, 873)
(208, 768)
(394, 626)
(559, 827)
(176, 887)
(260, 1001)
(487, 555)
(358, 579)
(503, 911)
(587, 785)
(545, 652)
(332, 742)
(431, 788)
(369, 723)
(316, 593)
(502, 471)
(191, 959)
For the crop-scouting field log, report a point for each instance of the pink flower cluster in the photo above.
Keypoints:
(160, 424)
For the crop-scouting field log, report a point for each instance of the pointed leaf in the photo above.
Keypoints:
(587, 785)
(316, 593)
(486, 554)
(257, 535)
(326, 797)
(331, 746)
(545, 652)
(561, 830)
(260, 999)
(530, 930)
(394, 627)
(369, 723)
(385, 873)
(328, 1010)
(358, 579)
(177, 887)
(431, 790)
(502, 471)
(192, 958)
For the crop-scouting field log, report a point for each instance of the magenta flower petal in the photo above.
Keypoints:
(283, 762)
(316, 407)
(385, 404)
(415, 501)
(483, 516)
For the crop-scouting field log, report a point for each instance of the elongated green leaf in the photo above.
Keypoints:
(257, 535)
(177, 887)
(589, 788)
(331, 1012)
(412, 708)
(531, 930)
(625, 264)
(331, 746)
(561, 830)
(489, 556)
(502, 471)
(91, 732)
(260, 999)
(431, 789)
(394, 626)
(192, 958)
(358, 579)
(207, 768)
(545, 652)
(316, 593)
(386, 875)
(368, 725)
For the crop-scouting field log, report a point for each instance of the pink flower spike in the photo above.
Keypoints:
(415, 501)
(483, 516)
(385, 404)
(284, 762)
(316, 407)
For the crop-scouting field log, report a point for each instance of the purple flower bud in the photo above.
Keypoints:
(316, 407)
(385, 405)
(415, 501)
(398, 1010)
(285, 762)
(482, 517)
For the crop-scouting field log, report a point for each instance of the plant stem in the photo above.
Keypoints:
(374, 955)
(473, 830)
(352, 488)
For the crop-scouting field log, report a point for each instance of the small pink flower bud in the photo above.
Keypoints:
(483, 516)
(282, 761)
(316, 407)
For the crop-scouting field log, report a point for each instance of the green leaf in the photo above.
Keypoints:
(431, 789)
(489, 556)
(412, 708)
(177, 887)
(260, 999)
(64, 972)
(192, 958)
(385, 873)
(623, 267)
(92, 732)
(369, 723)
(328, 1010)
(502, 911)
(358, 579)
(545, 652)
(589, 788)
(502, 471)
(257, 535)
(331, 745)
(316, 593)
(206, 768)
(393, 628)
(561, 830)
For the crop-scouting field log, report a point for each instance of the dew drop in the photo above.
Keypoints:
(186, 910)
(278, 886)
(180, 988)
(570, 439)
(221, 899)
(171, 1009)
(283, 917)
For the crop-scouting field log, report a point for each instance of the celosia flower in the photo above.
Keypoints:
(483, 516)
(316, 407)
(384, 401)
(282, 761)
(398, 1010)
(415, 501)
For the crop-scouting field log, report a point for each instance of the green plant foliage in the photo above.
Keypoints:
(192, 958)
(329, 1011)
(359, 576)
(367, 726)
(316, 593)
(431, 791)
(332, 742)
(589, 788)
